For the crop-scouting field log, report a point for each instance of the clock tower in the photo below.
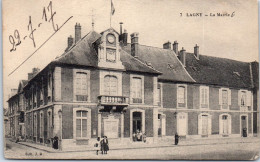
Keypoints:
(108, 50)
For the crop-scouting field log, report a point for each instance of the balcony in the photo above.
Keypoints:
(113, 100)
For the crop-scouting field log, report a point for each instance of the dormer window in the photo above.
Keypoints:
(108, 50)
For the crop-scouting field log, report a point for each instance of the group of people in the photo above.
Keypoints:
(102, 145)
(139, 136)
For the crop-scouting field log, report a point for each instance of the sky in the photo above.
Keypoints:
(156, 21)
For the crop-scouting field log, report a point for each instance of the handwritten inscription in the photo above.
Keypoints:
(47, 17)
(199, 14)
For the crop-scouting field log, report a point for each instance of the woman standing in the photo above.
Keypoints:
(105, 143)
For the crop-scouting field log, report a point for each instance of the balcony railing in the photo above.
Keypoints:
(113, 100)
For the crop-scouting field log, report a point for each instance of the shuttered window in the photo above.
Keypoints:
(136, 90)
(110, 85)
(204, 96)
(81, 87)
(224, 97)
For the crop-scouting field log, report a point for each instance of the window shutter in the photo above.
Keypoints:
(220, 125)
(248, 98)
(163, 125)
(229, 97)
(209, 125)
(229, 125)
(239, 98)
(199, 124)
(220, 96)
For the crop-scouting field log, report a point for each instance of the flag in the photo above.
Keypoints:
(112, 8)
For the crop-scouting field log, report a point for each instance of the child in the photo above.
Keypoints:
(97, 145)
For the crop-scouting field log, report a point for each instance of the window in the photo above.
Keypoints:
(81, 87)
(243, 98)
(181, 96)
(49, 123)
(136, 90)
(159, 95)
(41, 124)
(49, 87)
(110, 85)
(35, 125)
(81, 124)
(204, 97)
(224, 97)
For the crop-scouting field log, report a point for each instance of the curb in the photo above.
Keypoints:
(141, 147)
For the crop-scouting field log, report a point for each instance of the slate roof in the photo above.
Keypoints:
(83, 53)
(163, 60)
(219, 71)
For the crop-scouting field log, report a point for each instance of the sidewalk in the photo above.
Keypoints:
(159, 143)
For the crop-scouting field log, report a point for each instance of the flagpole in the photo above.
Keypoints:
(110, 12)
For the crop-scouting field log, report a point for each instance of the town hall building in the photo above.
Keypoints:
(104, 85)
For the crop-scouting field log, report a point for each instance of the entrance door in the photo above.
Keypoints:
(225, 124)
(182, 124)
(243, 125)
(204, 124)
(137, 121)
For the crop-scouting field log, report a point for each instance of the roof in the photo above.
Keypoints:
(163, 60)
(218, 71)
(83, 53)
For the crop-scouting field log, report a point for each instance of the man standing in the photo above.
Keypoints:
(176, 138)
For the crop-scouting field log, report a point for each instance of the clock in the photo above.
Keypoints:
(111, 39)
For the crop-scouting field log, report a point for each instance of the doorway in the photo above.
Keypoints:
(182, 124)
(244, 129)
(204, 125)
(137, 122)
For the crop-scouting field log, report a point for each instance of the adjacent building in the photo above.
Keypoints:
(103, 85)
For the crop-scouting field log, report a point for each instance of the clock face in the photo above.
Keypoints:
(111, 39)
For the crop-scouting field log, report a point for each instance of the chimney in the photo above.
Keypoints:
(77, 32)
(121, 27)
(13, 92)
(70, 41)
(167, 45)
(134, 44)
(124, 37)
(33, 73)
(182, 56)
(196, 51)
(175, 47)
(30, 76)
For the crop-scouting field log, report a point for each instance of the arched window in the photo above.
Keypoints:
(81, 86)
(81, 124)
(110, 85)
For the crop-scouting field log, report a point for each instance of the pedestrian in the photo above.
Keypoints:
(97, 145)
(102, 145)
(105, 143)
(56, 142)
(144, 137)
(176, 138)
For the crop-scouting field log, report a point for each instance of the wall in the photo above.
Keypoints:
(169, 95)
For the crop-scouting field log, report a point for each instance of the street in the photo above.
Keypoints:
(231, 151)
